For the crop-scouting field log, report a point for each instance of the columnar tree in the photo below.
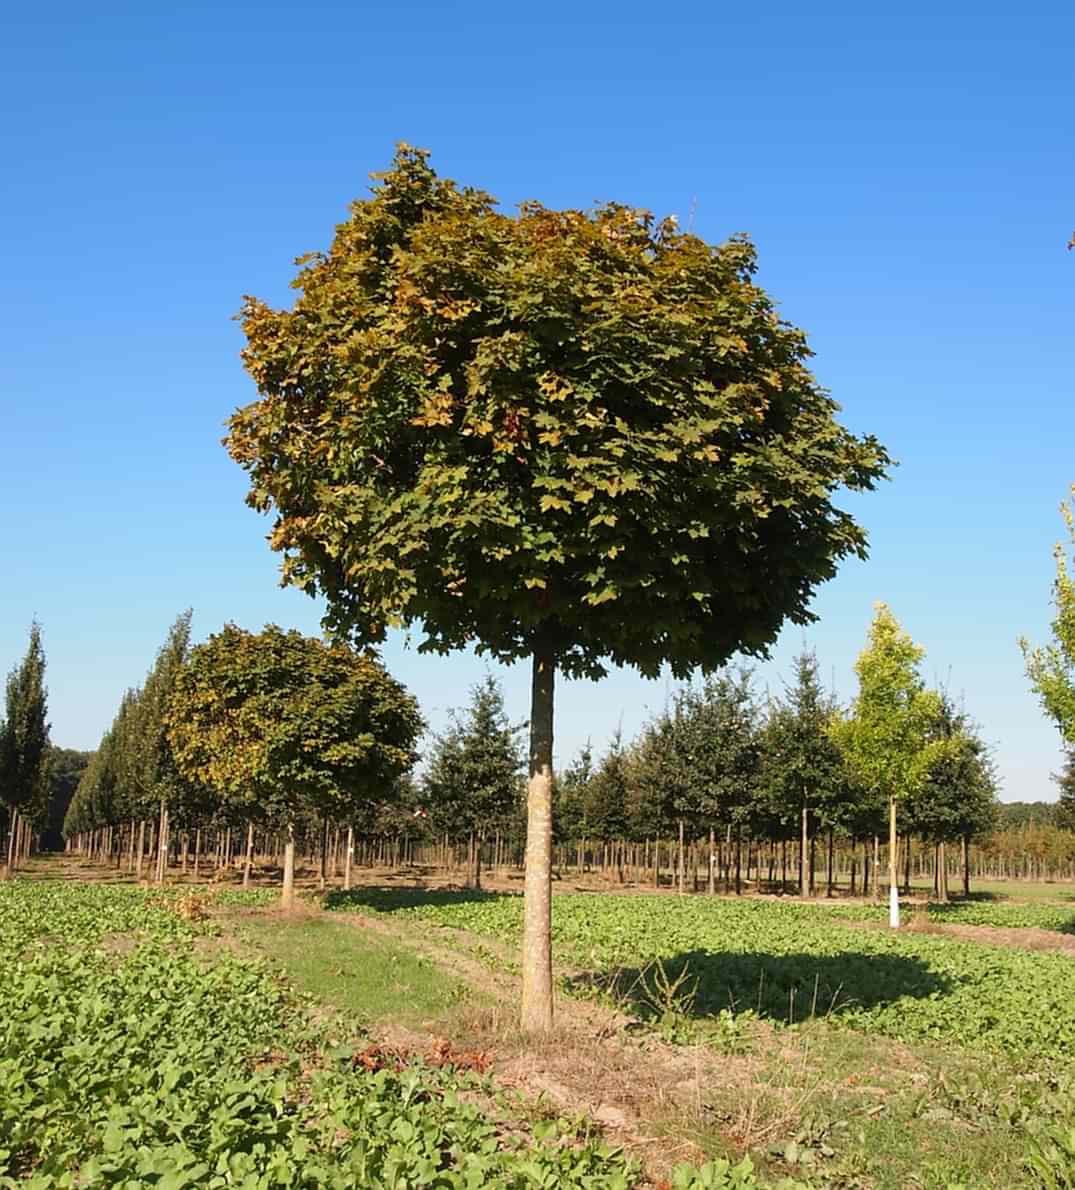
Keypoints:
(1051, 668)
(280, 724)
(886, 738)
(24, 741)
(571, 436)
(473, 781)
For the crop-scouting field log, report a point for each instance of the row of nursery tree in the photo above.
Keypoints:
(249, 743)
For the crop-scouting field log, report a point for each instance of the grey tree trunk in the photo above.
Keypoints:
(536, 1015)
(349, 857)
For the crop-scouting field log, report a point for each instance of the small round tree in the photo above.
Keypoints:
(279, 724)
(571, 436)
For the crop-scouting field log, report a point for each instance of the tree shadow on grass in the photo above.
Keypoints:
(786, 988)
(381, 899)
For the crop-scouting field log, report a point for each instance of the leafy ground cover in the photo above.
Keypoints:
(129, 1059)
(786, 963)
(1038, 915)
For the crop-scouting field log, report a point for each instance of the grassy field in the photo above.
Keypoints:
(200, 1037)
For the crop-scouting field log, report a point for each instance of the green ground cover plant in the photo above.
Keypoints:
(129, 1057)
(788, 963)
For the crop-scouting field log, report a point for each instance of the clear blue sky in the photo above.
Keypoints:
(906, 172)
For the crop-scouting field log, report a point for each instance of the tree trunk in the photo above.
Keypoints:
(893, 869)
(287, 893)
(348, 858)
(249, 861)
(478, 862)
(197, 850)
(162, 844)
(803, 846)
(12, 830)
(139, 857)
(682, 864)
(876, 868)
(711, 885)
(738, 862)
(828, 874)
(942, 874)
(966, 867)
(536, 1014)
(324, 855)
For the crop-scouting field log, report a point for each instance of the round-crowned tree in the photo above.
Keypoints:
(280, 724)
(578, 437)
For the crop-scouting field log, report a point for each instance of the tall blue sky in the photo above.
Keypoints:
(907, 174)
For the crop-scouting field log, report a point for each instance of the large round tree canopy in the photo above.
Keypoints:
(584, 433)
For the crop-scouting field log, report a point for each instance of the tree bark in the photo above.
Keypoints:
(803, 847)
(942, 874)
(324, 855)
(140, 854)
(536, 1015)
(162, 844)
(711, 886)
(249, 861)
(682, 863)
(966, 868)
(893, 869)
(287, 892)
(12, 829)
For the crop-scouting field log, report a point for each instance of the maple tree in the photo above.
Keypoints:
(578, 437)
(278, 724)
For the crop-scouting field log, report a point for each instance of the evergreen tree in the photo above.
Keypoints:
(805, 782)
(958, 798)
(606, 798)
(571, 795)
(474, 781)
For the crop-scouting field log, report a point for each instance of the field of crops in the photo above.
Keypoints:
(788, 962)
(133, 1054)
(1059, 917)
